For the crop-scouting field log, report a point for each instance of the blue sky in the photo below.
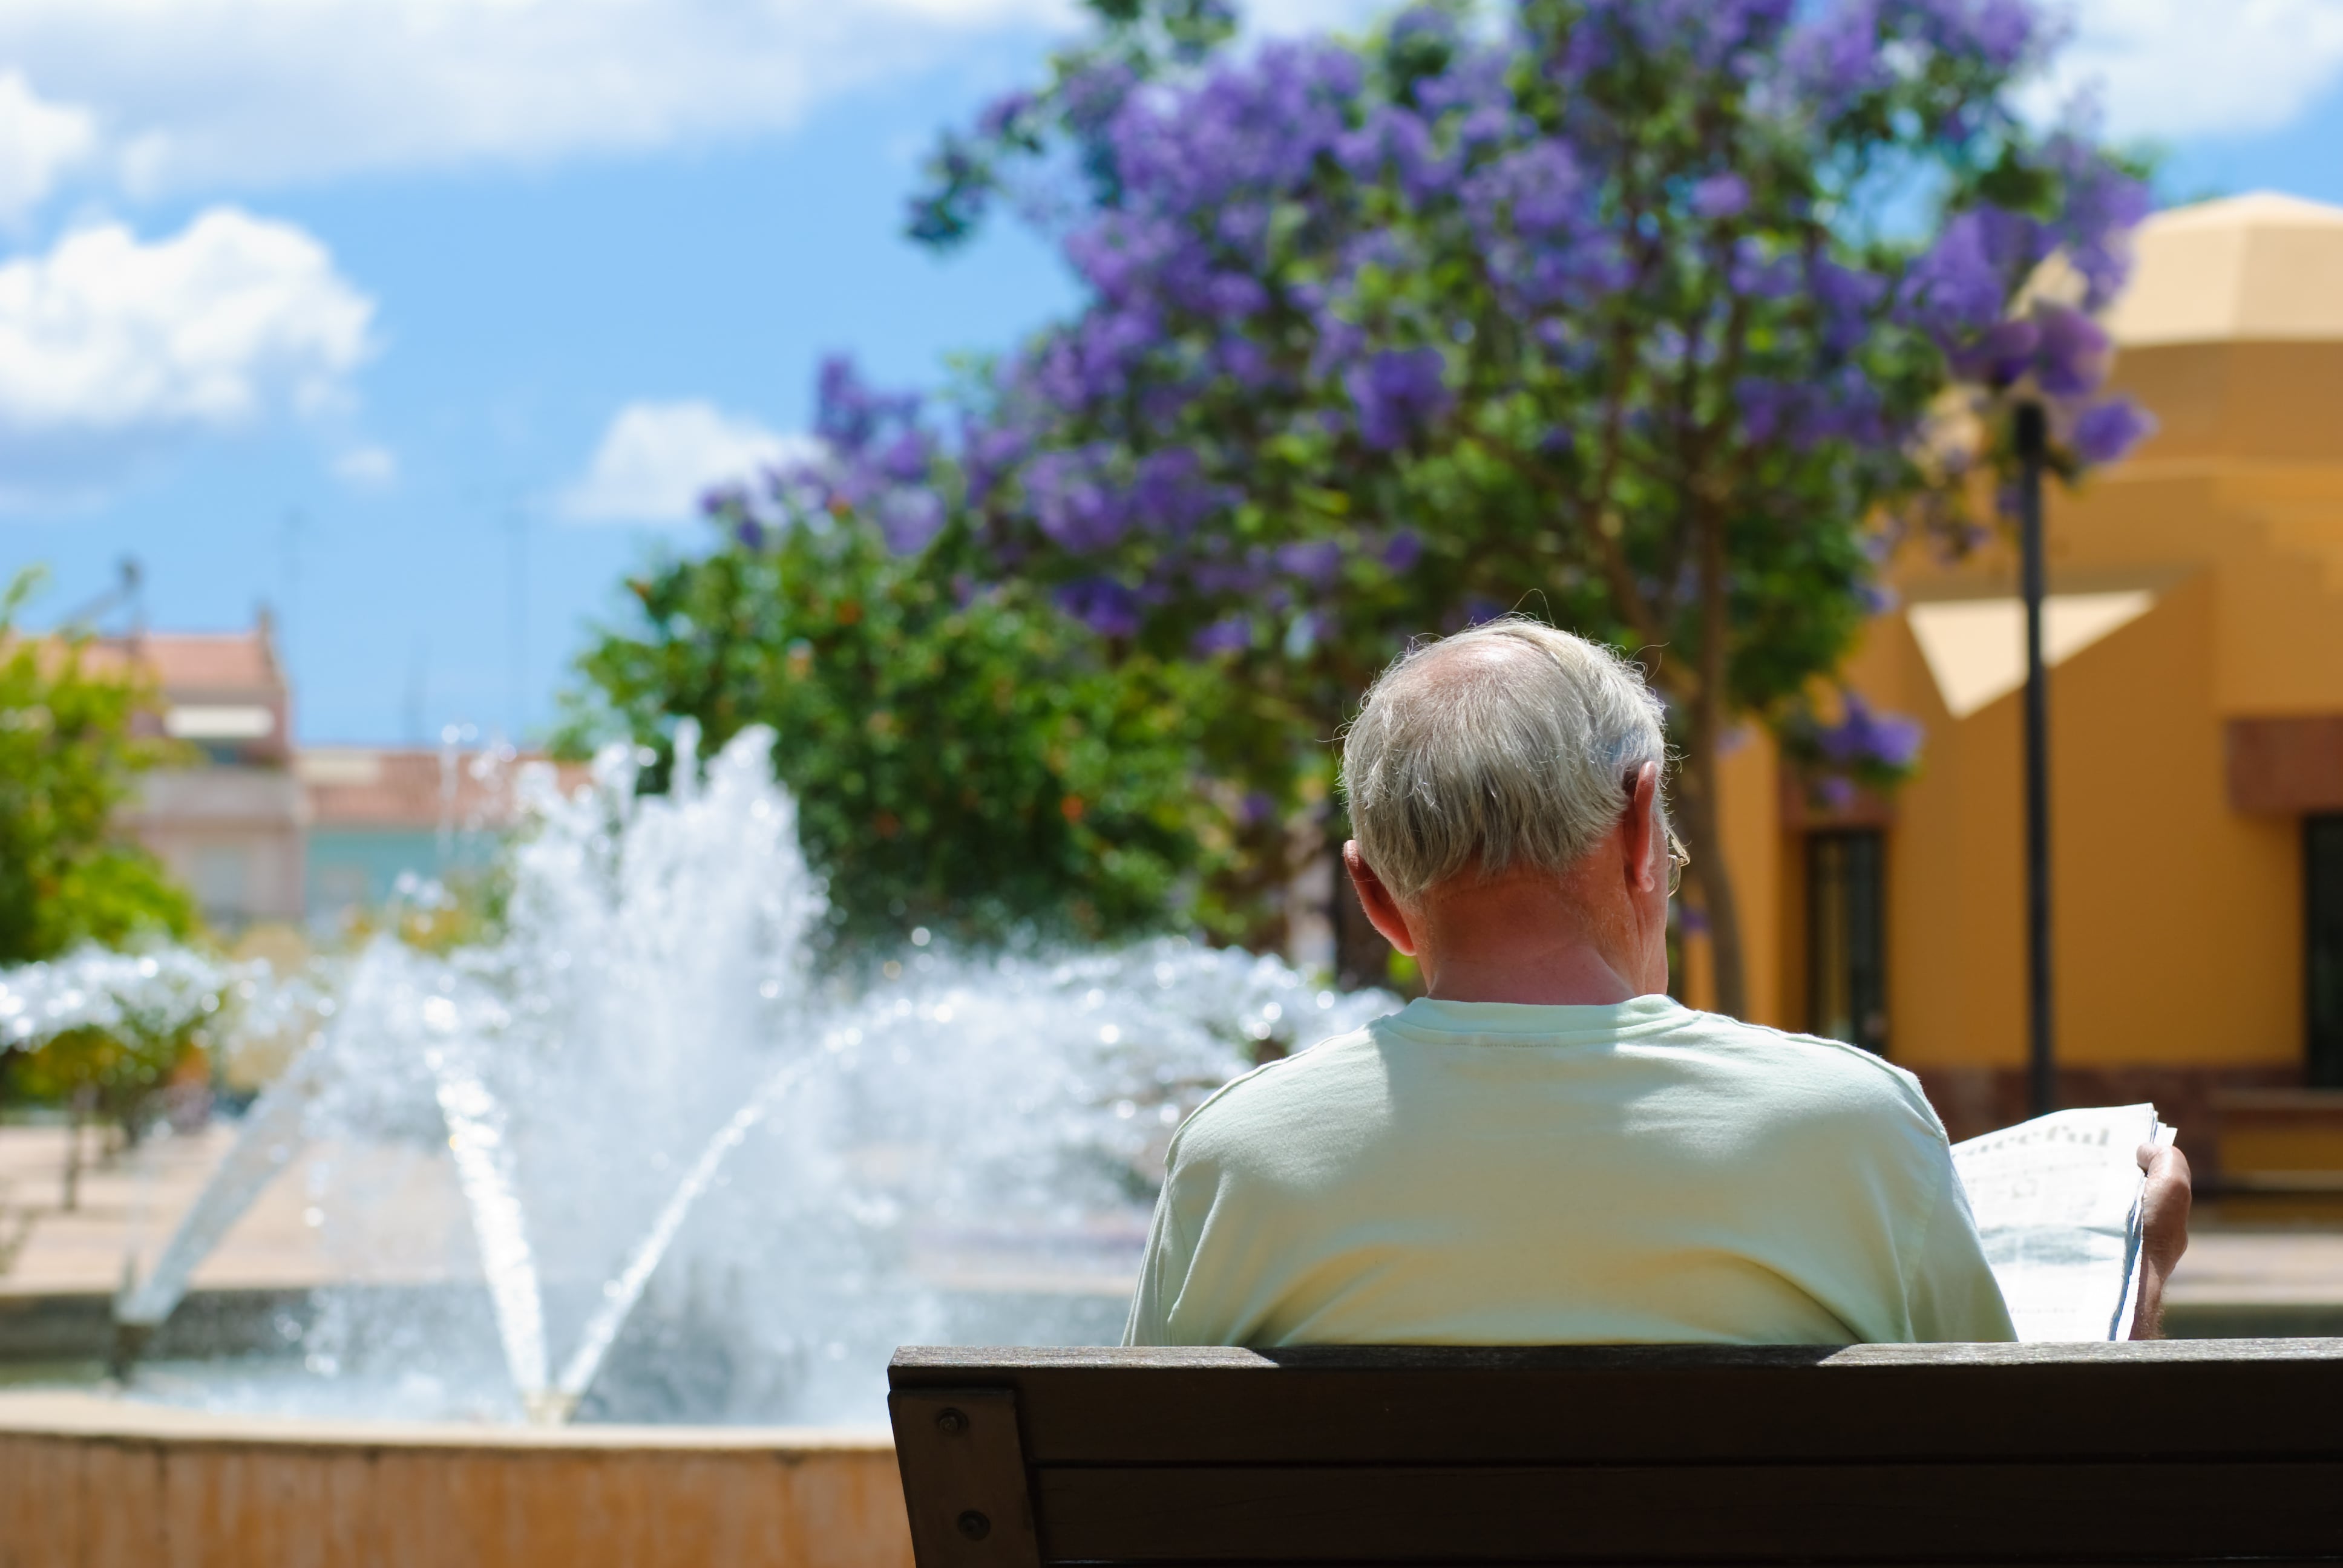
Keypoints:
(412, 318)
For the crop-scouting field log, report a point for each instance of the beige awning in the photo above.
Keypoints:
(1975, 648)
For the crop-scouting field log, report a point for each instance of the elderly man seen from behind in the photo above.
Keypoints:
(1544, 1148)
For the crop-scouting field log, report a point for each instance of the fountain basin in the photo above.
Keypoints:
(90, 1480)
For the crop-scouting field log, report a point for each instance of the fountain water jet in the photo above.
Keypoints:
(484, 1166)
(271, 1135)
(727, 1184)
(620, 1294)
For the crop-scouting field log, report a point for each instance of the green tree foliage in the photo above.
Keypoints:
(69, 756)
(961, 759)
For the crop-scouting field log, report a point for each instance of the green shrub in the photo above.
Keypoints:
(69, 757)
(962, 758)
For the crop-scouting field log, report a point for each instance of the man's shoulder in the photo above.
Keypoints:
(1291, 1085)
(1816, 1069)
(1774, 1078)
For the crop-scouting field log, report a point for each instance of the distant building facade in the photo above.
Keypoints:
(2194, 632)
(380, 815)
(228, 823)
(261, 831)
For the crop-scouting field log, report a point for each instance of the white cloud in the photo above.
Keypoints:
(369, 467)
(39, 141)
(110, 347)
(657, 459)
(211, 94)
(2174, 68)
(215, 95)
(206, 94)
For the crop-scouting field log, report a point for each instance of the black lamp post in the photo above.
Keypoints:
(2042, 1069)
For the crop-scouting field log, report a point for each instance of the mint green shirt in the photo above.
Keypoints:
(1486, 1173)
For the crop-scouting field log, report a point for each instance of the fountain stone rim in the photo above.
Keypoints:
(80, 1414)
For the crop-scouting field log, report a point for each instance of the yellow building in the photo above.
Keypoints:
(2195, 630)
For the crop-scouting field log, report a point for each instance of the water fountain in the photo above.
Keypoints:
(701, 1178)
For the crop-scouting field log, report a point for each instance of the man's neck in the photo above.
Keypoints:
(1517, 941)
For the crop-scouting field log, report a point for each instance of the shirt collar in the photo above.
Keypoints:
(1425, 1019)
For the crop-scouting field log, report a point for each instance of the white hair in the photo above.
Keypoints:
(1511, 744)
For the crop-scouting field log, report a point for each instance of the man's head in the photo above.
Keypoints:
(1512, 773)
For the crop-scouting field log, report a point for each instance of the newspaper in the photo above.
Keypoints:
(2057, 1203)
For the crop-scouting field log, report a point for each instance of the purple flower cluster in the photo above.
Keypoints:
(1866, 742)
(2064, 352)
(1230, 633)
(1846, 53)
(1093, 95)
(875, 459)
(1308, 266)
(1845, 300)
(1102, 604)
(1960, 293)
(2102, 204)
(1840, 406)
(1537, 215)
(1960, 288)
(1396, 393)
(1728, 36)
(1182, 255)
(1086, 500)
(1720, 195)
(1997, 33)
(1243, 132)
(1073, 504)
(2105, 431)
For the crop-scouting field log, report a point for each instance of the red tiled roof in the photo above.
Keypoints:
(194, 661)
(238, 660)
(364, 787)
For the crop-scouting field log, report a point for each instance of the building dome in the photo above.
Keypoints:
(2264, 268)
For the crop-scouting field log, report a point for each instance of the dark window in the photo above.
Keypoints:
(1847, 938)
(2322, 948)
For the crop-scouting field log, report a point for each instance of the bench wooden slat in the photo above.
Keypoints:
(1695, 1403)
(1685, 1514)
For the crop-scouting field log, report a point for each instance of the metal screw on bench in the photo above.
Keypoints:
(951, 1423)
(975, 1526)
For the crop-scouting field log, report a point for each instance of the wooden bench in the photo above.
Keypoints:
(2177, 1451)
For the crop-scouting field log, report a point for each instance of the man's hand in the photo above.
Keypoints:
(2164, 1233)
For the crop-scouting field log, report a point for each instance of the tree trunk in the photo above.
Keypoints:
(76, 1114)
(1701, 785)
(1697, 793)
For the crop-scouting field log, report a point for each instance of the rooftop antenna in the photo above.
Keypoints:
(124, 595)
(134, 594)
(296, 524)
(517, 521)
(418, 676)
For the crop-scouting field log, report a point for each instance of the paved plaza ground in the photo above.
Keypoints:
(414, 1230)
(410, 1226)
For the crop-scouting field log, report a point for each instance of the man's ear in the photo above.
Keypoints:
(1640, 828)
(1383, 910)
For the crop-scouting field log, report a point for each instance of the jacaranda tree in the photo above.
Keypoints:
(1666, 319)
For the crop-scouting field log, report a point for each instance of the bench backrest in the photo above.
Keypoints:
(2178, 1451)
